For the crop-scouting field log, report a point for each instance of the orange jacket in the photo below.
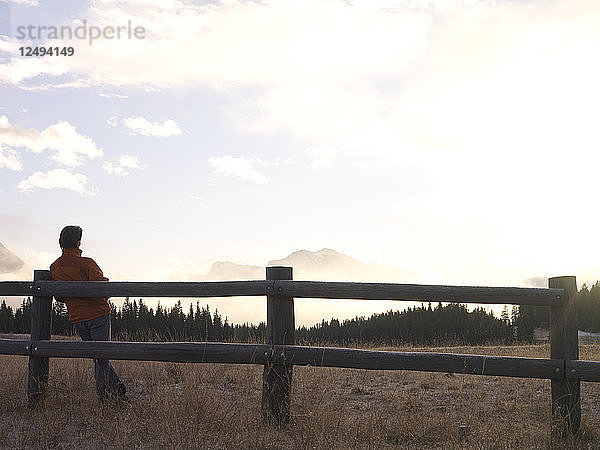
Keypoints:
(71, 266)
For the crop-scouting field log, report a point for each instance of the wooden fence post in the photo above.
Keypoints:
(564, 344)
(277, 377)
(41, 326)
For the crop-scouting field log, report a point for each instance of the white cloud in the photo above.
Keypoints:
(130, 162)
(239, 166)
(16, 70)
(9, 159)
(56, 179)
(112, 121)
(361, 164)
(23, 2)
(15, 136)
(114, 169)
(120, 168)
(322, 156)
(70, 146)
(140, 125)
(112, 95)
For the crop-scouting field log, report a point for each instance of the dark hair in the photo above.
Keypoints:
(70, 236)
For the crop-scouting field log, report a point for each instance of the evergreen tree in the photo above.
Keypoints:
(525, 323)
(6, 318)
(504, 315)
(22, 323)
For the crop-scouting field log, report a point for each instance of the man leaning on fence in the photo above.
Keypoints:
(90, 315)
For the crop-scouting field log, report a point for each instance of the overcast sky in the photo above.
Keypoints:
(457, 140)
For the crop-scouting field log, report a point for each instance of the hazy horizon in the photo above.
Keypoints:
(321, 265)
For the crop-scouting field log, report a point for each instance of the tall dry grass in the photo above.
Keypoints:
(218, 406)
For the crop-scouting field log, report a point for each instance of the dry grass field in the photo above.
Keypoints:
(218, 406)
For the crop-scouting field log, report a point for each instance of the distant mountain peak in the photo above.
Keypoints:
(9, 262)
(329, 264)
(324, 264)
(324, 250)
(308, 256)
(227, 270)
(328, 251)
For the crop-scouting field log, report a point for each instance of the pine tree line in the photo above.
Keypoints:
(423, 326)
(136, 322)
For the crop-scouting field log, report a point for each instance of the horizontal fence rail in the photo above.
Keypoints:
(139, 288)
(420, 292)
(16, 288)
(216, 352)
(582, 370)
(299, 289)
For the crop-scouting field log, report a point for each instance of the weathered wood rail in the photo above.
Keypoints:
(279, 354)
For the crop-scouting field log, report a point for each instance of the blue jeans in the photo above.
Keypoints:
(107, 380)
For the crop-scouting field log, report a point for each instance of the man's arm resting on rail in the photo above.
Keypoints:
(95, 273)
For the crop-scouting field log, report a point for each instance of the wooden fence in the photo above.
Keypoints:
(279, 354)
